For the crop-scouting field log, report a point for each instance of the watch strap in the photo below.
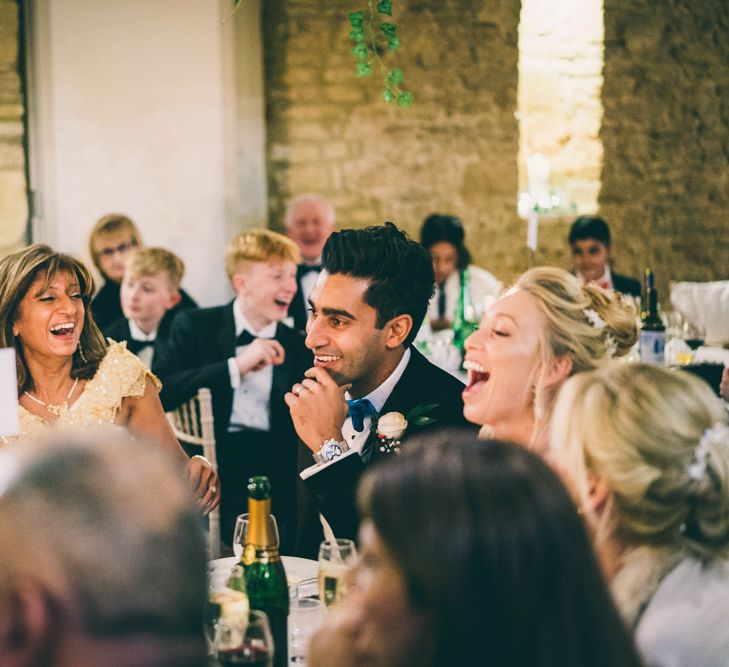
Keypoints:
(321, 455)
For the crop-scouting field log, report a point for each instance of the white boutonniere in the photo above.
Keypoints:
(391, 426)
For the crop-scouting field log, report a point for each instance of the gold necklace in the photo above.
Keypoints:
(54, 408)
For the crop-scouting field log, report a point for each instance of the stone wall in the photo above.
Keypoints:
(13, 197)
(665, 175)
(455, 150)
(665, 132)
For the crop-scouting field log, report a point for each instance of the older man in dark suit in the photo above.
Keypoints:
(369, 389)
(248, 359)
(309, 221)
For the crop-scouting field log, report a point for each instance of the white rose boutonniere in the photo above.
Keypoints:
(391, 426)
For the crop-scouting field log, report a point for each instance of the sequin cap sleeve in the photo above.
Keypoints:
(120, 374)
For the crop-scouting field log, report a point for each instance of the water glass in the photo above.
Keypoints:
(335, 558)
(244, 642)
(305, 616)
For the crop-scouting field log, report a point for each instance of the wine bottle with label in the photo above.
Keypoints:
(264, 571)
(652, 329)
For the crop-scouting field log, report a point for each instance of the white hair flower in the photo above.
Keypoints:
(716, 436)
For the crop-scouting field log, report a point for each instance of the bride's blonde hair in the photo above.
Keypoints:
(638, 427)
(585, 323)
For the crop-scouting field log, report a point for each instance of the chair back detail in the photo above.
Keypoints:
(193, 425)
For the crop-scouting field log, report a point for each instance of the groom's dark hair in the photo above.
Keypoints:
(399, 270)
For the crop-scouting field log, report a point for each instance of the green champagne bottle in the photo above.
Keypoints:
(264, 571)
(652, 329)
(464, 319)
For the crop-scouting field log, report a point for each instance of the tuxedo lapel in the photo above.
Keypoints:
(226, 332)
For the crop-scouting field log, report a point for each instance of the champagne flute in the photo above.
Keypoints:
(335, 558)
(227, 599)
(246, 641)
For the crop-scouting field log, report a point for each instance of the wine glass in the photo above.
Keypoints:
(244, 641)
(335, 558)
(239, 534)
(694, 334)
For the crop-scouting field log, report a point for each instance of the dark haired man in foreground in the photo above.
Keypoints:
(102, 557)
(367, 381)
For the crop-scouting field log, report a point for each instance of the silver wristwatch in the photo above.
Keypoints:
(330, 449)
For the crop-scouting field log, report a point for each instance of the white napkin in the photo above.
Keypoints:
(707, 303)
(9, 424)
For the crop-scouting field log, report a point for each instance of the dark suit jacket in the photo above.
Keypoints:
(332, 490)
(119, 331)
(106, 306)
(299, 305)
(196, 355)
(625, 285)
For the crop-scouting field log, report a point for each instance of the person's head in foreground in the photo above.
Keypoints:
(309, 221)
(44, 313)
(368, 304)
(261, 267)
(473, 553)
(91, 572)
(112, 239)
(544, 329)
(646, 453)
(444, 238)
(151, 286)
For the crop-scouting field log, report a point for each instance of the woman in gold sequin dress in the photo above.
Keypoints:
(69, 377)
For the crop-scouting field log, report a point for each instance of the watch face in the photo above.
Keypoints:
(332, 450)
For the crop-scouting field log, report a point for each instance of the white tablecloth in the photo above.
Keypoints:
(297, 569)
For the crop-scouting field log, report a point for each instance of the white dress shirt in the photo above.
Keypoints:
(605, 280)
(356, 440)
(146, 354)
(485, 288)
(252, 390)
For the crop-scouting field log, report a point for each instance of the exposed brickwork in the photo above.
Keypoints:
(665, 128)
(454, 151)
(666, 136)
(13, 200)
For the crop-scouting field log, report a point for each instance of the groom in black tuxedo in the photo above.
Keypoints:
(350, 409)
(248, 359)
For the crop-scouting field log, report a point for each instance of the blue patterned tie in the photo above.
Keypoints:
(358, 410)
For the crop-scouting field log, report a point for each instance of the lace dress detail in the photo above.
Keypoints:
(120, 374)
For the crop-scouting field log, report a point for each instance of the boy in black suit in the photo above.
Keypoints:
(589, 239)
(150, 289)
(248, 359)
(369, 389)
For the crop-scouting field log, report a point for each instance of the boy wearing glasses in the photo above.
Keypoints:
(113, 238)
(589, 239)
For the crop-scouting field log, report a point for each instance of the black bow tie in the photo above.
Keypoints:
(136, 346)
(245, 338)
(303, 269)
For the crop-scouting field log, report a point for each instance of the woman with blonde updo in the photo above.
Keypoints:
(646, 451)
(544, 329)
